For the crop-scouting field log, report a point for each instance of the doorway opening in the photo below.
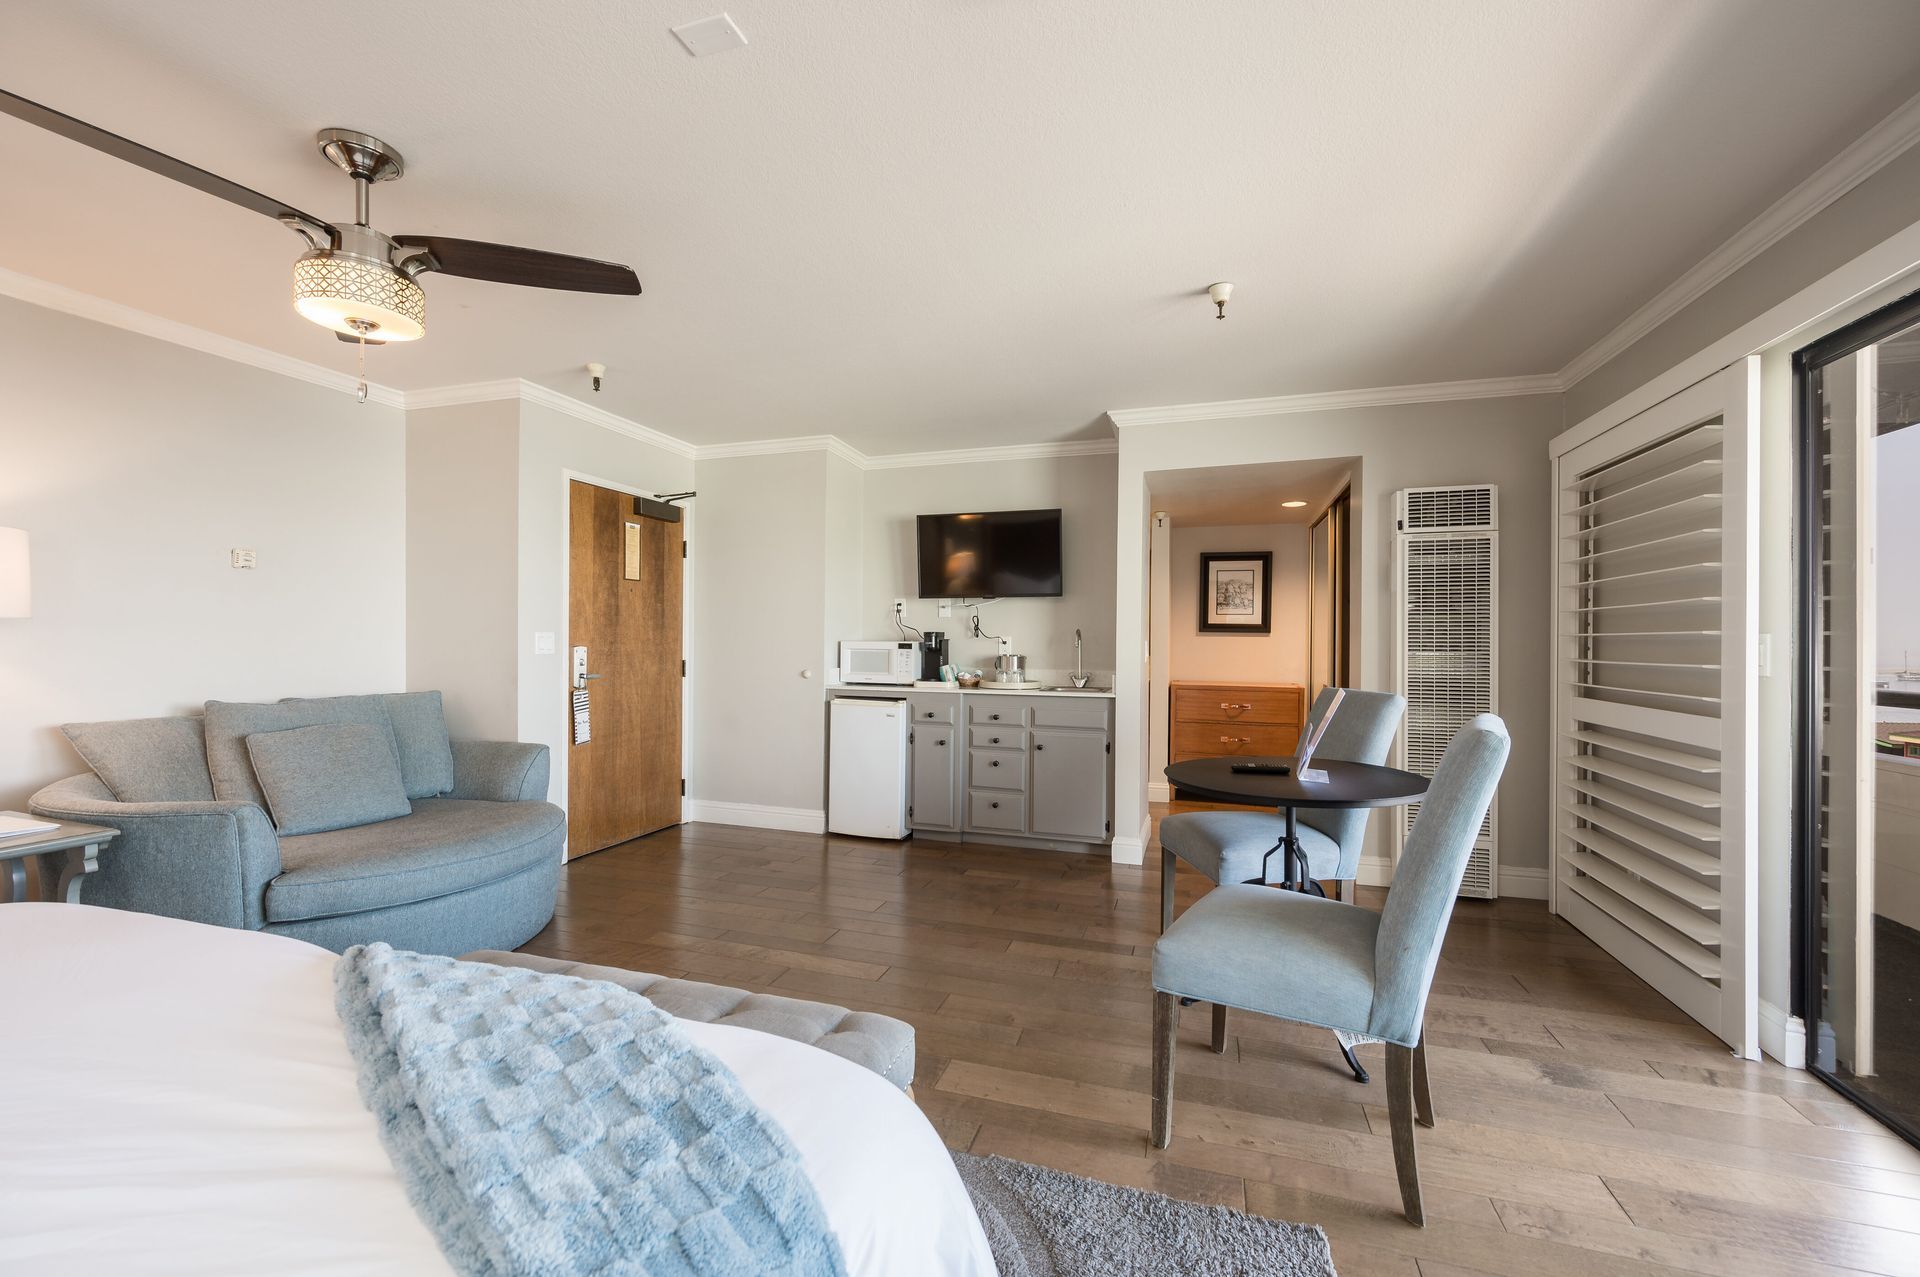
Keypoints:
(1249, 600)
(1857, 710)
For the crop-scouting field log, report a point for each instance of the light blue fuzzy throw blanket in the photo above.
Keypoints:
(547, 1125)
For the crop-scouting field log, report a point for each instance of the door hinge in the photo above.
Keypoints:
(1109, 826)
(683, 548)
(683, 667)
(1109, 746)
(909, 812)
(683, 786)
(909, 738)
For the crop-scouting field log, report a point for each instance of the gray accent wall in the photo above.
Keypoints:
(136, 465)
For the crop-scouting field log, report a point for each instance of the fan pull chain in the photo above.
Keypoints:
(362, 328)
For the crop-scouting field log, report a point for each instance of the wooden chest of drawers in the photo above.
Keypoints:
(1210, 719)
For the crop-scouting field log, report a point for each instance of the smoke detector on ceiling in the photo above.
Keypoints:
(710, 35)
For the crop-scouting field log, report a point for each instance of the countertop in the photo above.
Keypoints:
(901, 689)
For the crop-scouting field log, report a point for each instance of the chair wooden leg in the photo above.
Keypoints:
(1166, 1024)
(1400, 1122)
(1167, 861)
(1422, 1092)
(1219, 1029)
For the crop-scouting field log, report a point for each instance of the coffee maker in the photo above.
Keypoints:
(933, 654)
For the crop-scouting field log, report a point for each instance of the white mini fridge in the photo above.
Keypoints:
(867, 767)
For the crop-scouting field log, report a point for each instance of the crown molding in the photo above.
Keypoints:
(547, 397)
(1007, 452)
(71, 301)
(1867, 155)
(1333, 400)
(774, 447)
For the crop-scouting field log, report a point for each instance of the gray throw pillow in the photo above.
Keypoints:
(333, 776)
(147, 760)
(419, 733)
(229, 723)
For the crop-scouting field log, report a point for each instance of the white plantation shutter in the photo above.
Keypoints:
(1655, 631)
(1447, 586)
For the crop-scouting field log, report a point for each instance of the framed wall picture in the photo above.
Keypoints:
(1236, 593)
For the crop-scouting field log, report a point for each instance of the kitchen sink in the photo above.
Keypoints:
(1095, 690)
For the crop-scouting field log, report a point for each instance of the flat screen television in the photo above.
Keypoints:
(999, 554)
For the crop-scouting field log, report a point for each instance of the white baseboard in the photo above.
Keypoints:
(1783, 1036)
(799, 820)
(1523, 883)
(1133, 851)
(1159, 791)
(1374, 871)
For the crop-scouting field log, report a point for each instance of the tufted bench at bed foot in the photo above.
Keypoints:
(877, 1042)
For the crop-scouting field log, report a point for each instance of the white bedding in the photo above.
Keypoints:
(176, 1098)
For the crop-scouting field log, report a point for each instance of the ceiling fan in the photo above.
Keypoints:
(359, 283)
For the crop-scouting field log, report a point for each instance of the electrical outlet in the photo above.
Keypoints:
(242, 558)
(899, 607)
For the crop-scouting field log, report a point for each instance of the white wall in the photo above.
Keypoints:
(1278, 657)
(1082, 488)
(136, 465)
(1499, 441)
(760, 586)
(463, 468)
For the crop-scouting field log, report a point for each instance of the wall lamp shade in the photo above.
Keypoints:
(16, 575)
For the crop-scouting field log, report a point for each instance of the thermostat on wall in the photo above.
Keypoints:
(243, 558)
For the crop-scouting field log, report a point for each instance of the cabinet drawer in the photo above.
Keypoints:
(1061, 712)
(934, 709)
(997, 736)
(1210, 740)
(996, 769)
(1237, 705)
(993, 810)
(991, 710)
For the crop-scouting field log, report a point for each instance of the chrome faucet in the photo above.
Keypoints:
(1079, 678)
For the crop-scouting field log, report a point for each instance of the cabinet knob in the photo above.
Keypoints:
(994, 763)
(941, 741)
(995, 806)
(1039, 746)
(994, 717)
(994, 741)
(929, 713)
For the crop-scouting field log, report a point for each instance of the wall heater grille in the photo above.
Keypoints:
(1446, 577)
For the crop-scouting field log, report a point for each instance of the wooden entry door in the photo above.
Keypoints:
(625, 573)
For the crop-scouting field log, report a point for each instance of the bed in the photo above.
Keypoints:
(178, 1098)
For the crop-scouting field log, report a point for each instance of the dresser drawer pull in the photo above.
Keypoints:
(994, 717)
(994, 741)
(995, 806)
(994, 763)
(1225, 705)
(1236, 740)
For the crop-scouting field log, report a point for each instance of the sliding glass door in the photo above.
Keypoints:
(1857, 809)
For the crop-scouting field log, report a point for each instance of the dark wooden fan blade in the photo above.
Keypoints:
(154, 161)
(504, 264)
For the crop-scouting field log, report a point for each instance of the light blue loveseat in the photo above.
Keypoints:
(473, 864)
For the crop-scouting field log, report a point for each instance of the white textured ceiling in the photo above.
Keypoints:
(943, 223)
(1228, 496)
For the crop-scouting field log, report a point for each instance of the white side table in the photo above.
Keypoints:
(73, 851)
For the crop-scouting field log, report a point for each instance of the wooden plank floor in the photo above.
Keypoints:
(1585, 1125)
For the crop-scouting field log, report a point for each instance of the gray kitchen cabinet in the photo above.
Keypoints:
(1067, 795)
(934, 759)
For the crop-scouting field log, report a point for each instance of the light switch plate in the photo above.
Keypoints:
(710, 35)
(242, 558)
(543, 642)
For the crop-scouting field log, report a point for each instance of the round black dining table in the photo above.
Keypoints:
(1347, 785)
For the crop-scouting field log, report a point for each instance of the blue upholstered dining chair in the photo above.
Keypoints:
(1232, 846)
(1339, 966)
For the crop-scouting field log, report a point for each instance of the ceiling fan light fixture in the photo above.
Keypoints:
(345, 294)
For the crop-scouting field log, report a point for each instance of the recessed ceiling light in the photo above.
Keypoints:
(710, 35)
(1291, 505)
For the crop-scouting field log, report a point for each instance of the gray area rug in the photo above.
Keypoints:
(1047, 1223)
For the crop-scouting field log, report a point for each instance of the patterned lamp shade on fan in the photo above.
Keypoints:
(359, 298)
(16, 575)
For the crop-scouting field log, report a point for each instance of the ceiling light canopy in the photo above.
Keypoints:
(356, 297)
(1291, 505)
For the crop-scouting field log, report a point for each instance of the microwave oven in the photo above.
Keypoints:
(878, 661)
